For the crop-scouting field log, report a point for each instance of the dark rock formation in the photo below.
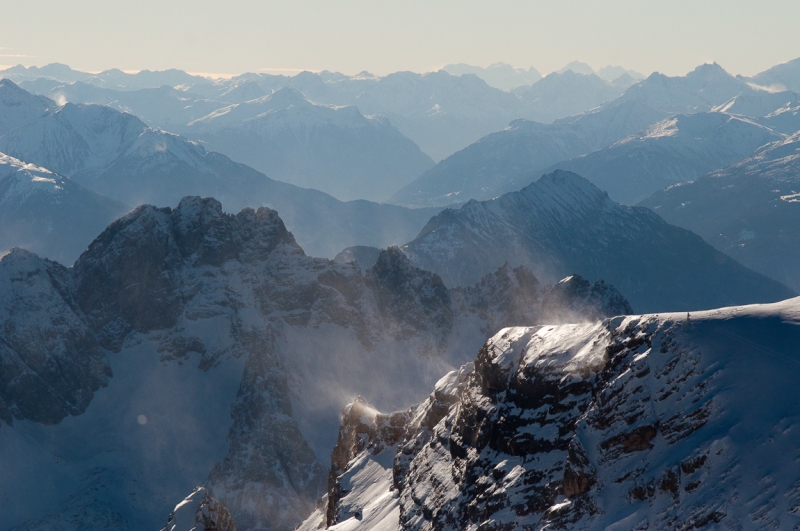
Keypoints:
(635, 423)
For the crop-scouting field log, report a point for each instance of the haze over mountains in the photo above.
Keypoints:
(512, 158)
(116, 155)
(336, 150)
(172, 326)
(441, 113)
(751, 209)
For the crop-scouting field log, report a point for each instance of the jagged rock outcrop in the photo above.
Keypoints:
(644, 422)
(220, 324)
(200, 512)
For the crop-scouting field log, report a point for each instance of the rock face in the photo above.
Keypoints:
(50, 361)
(645, 422)
(563, 224)
(200, 512)
(232, 353)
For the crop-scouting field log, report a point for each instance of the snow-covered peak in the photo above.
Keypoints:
(706, 87)
(563, 224)
(74, 138)
(560, 195)
(154, 148)
(565, 185)
(18, 180)
(200, 512)
(645, 422)
(285, 97)
(19, 107)
(286, 107)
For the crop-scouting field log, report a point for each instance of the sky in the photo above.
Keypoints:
(350, 36)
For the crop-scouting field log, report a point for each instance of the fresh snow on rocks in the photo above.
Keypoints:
(200, 512)
(663, 422)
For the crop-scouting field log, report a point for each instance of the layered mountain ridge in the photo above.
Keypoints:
(117, 155)
(49, 214)
(562, 223)
(336, 150)
(217, 339)
(749, 210)
(510, 159)
(675, 150)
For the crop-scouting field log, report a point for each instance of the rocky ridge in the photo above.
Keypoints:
(643, 422)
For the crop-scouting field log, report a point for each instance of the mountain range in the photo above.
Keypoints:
(562, 224)
(118, 156)
(198, 368)
(510, 159)
(563, 94)
(336, 150)
(440, 112)
(188, 346)
(498, 75)
(675, 150)
(750, 210)
(507, 160)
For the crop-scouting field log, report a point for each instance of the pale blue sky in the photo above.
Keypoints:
(236, 36)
